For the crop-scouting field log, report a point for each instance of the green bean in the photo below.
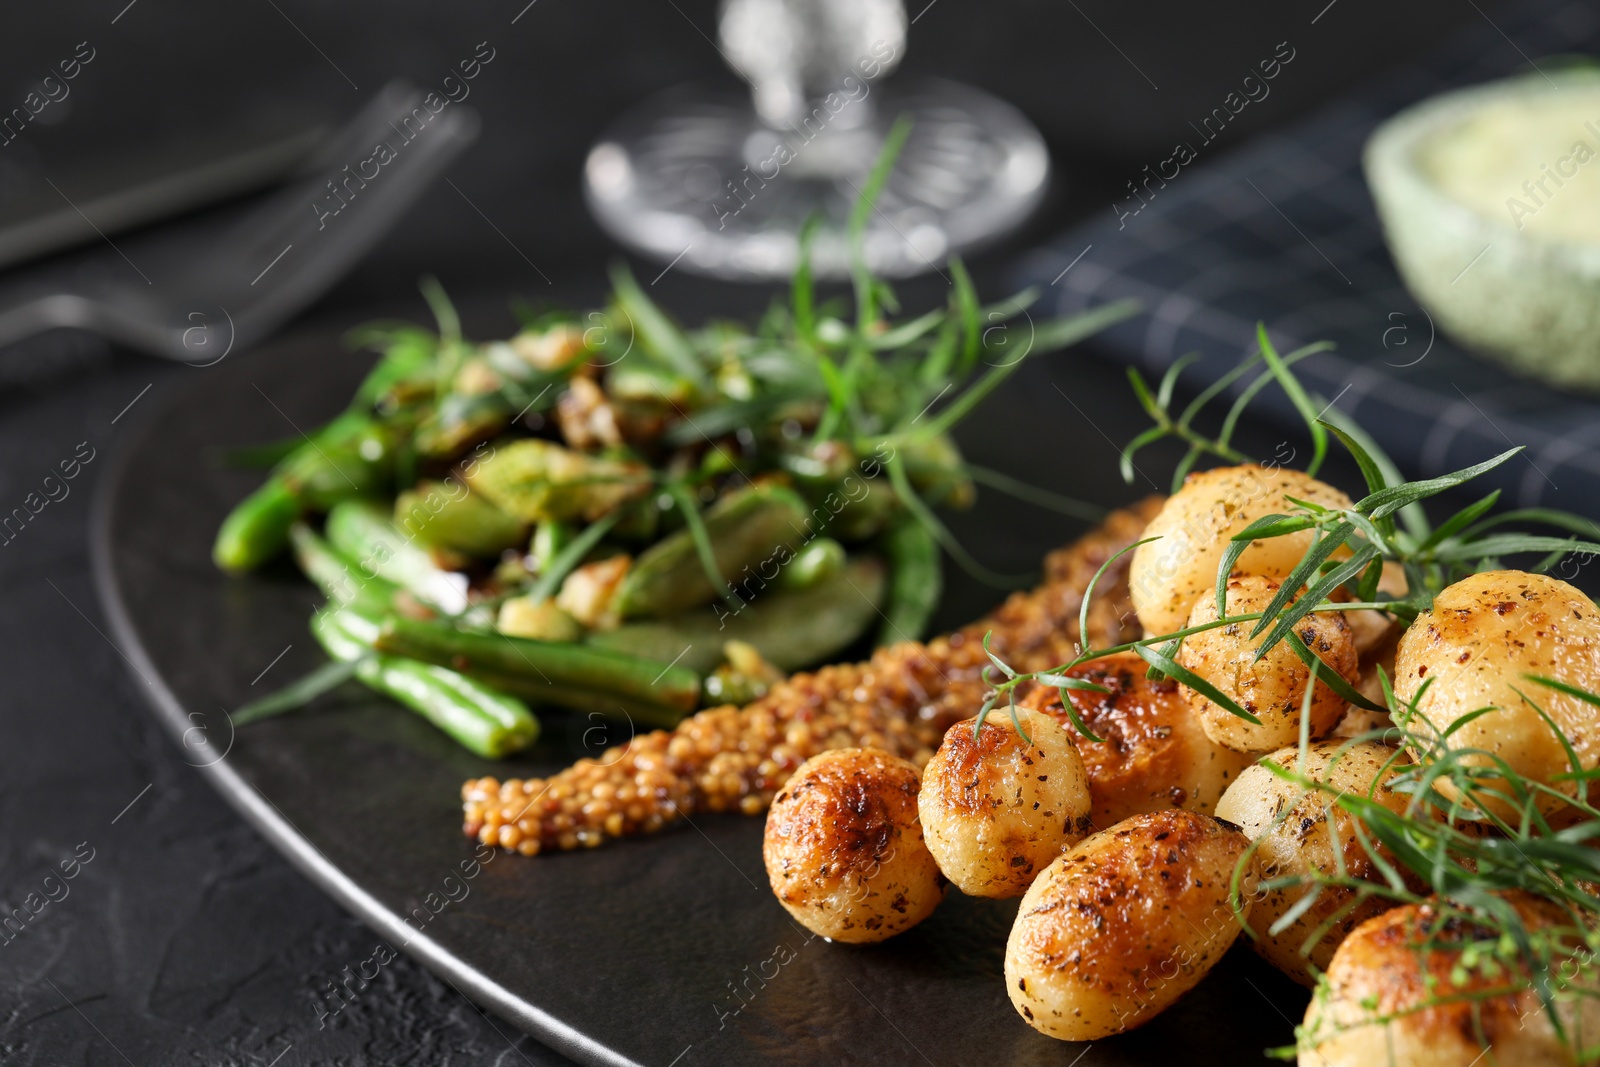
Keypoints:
(481, 719)
(257, 529)
(816, 561)
(548, 694)
(347, 632)
(593, 670)
(745, 529)
(340, 580)
(915, 583)
(448, 515)
(361, 530)
(350, 457)
(790, 628)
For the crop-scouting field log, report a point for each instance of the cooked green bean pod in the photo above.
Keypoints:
(257, 529)
(350, 456)
(481, 718)
(594, 670)
(915, 581)
(341, 580)
(362, 531)
(544, 694)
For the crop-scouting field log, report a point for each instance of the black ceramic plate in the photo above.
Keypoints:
(668, 950)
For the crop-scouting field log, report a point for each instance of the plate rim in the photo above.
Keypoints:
(257, 809)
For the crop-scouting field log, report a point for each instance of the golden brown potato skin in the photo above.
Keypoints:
(843, 848)
(1170, 574)
(1386, 1003)
(1152, 754)
(997, 809)
(1290, 826)
(1482, 636)
(1113, 932)
(1273, 687)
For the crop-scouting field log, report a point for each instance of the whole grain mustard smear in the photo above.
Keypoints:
(1531, 162)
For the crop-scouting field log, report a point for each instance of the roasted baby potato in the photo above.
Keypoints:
(1113, 932)
(843, 848)
(1398, 994)
(1194, 526)
(1298, 831)
(1152, 753)
(1476, 648)
(996, 809)
(1273, 687)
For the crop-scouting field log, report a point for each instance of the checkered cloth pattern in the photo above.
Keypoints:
(1283, 231)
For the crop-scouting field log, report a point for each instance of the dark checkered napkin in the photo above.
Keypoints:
(1284, 232)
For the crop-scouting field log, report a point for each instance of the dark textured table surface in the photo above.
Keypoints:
(183, 938)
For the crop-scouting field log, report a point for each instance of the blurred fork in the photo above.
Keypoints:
(194, 291)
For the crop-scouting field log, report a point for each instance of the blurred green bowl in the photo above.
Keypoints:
(1525, 299)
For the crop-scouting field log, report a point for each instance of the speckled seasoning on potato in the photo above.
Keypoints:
(1113, 932)
(843, 848)
(1193, 527)
(1273, 687)
(1152, 753)
(1397, 996)
(1291, 826)
(997, 808)
(1482, 638)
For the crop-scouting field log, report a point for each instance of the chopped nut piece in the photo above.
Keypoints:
(588, 593)
(543, 620)
(550, 349)
(587, 418)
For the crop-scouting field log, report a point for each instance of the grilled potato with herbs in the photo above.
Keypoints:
(1272, 688)
(1476, 648)
(1113, 932)
(1402, 992)
(843, 848)
(1193, 529)
(997, 808)
(1152, 753)
(1297, 831)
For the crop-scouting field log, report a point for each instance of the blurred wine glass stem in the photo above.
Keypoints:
(795, 53)
(722, 185)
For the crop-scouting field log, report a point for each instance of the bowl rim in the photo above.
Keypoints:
(1391, 162)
